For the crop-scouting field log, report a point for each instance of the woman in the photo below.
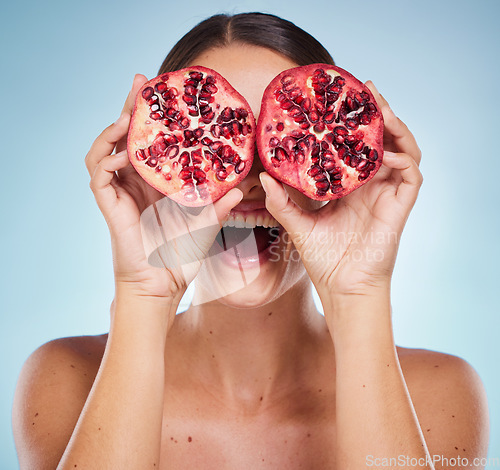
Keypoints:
(256, 378)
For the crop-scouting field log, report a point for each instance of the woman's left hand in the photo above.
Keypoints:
(349, 245)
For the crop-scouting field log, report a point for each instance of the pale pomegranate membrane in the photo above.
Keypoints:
(320, 131)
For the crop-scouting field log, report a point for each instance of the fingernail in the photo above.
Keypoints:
(121, 154)
(371, 84)
(120, 119)
(264, 183)
(390, 154)
(388, 108)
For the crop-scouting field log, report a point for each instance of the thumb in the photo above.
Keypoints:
(280, 206)
(227, 202)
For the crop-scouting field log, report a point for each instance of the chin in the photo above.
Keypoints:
(249, 287)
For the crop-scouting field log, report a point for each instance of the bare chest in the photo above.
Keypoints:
(221, 439)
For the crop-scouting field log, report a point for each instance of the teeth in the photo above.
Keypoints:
(239, 221)
(250, 221)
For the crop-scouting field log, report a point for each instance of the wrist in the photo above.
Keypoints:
(362, 312)
(148, 291)
(133, 307)
(343, 302)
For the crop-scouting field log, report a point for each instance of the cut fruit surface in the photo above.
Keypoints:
(320, 131)
(192, 135)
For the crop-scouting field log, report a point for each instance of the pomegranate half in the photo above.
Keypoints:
(320, 131)
(192, 135)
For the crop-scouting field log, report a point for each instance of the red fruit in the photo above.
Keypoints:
(191, 136)
(320, 131)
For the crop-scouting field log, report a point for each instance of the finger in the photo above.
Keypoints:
(106, 142)
(128, 107)
(104, 175)
(108, 139)
(411, 177)
(227, 202)
(402, 137)
(281, 207)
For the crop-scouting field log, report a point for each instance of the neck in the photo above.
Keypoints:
(249, 354)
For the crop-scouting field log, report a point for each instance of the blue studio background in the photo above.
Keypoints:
(66, 70)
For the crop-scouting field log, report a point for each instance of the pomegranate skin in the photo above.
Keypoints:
(191, 136)
(320, 131)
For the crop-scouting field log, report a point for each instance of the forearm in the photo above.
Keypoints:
(375, 415)
(120, 424)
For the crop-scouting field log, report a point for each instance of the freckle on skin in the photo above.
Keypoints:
(436, 366)
(36, 414)
(261, 398)
(190, 438)
(428, 430)
(456, 448)
(320, 390)
(210, 332)
(72, 366)
(452, 416)
(308, 434)
(270, 313)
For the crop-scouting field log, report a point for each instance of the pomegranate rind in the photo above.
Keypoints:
(192, 170)
(307, 105)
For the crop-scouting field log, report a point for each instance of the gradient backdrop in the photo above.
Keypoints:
(66, 70)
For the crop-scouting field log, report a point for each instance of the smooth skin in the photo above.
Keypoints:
(275, 385)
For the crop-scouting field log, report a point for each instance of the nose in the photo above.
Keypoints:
(250, 186)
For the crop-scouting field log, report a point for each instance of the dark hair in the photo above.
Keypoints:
(257, 29)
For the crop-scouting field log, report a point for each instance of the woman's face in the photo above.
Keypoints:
(249, 274)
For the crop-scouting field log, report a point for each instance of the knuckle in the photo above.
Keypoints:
(87, 161)
(92, 182)
(420, 178)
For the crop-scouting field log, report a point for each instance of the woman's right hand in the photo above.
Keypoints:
(122, 196)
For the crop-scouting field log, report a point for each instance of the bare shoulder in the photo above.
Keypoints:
(449, 399)
(51, 391)
(423, 369)
(65, 358)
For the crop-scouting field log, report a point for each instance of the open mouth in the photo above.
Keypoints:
(247, 238)
(231, 237)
